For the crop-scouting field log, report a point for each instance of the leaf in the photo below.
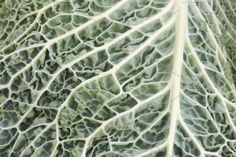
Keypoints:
(117, 78)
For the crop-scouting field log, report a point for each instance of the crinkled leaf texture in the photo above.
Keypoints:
(117, 78)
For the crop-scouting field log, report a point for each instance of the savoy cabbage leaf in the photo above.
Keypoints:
(117, 78)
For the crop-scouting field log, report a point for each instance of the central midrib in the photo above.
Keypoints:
(181, 27)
